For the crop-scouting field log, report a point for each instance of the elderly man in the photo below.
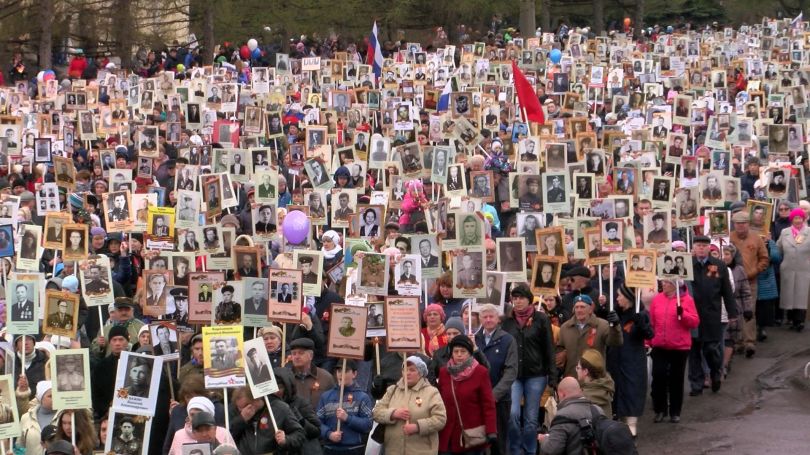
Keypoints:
(584, 331)
(310, 381)
(755, 260)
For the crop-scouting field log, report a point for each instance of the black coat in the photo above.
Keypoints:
(257, 435)
(535, 348)
(627, 363)
(34, 373)
(103, 384)
(710, 289)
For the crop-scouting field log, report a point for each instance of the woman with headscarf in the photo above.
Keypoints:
(185, 435)
(467, 393)
(794, 243)
(434, 332)
(411, 412)
(627, 363)
(332, 250)
(343, 178)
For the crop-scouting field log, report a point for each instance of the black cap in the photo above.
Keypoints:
(121, 302)
(179, 292)
(202, 419)
(118, 331)
(302, 343)
(579, 270)
(351, 365)
(460, 341)
(305, 260)
(701, 239)
(47, 433)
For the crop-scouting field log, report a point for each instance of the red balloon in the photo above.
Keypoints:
(244, 52)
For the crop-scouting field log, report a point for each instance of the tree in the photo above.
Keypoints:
(598, 16)
(46, 33)
(528, 23)
(638, 20)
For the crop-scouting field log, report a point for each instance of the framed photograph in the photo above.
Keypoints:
(310, 262)
(657, 229)
(761, 215)
(160, 228)
(195, 448)
(247, 261)
(624, 179)
(719, 225)
(147, 142)
(593, 246)
(512, 258)
(373, 274)
(267, 180)
(54, 232)
(347, 332)
(527, 225)
(612, 235)
(128, 433)
(686, 203)
(156, 301)
(642, 268)
(662, 189)
(286, 296)
(711, 191)
(201, 287)
(408, 275)
(9, 414)
(438, 170)
(22, 308)
(96, 281)
(549, 241)
(65, 172)
(777, 181)
(426, 247)
(468, 273)
(546, 275)
(61, 313)
(673, 264)
(402, 323)
(345, 207)
(316, 202)
(30, 251)
(555, 197)
(259, 369)
(42, 150)
(456, 184)
(469, 230)
(164, 339)
(212, 195)
(71, 386)
(370, 220)
(482, 185)
(222, 357)
(584, 187)
(118, 211)
(255, 310)
(137, 382)
(227, 306)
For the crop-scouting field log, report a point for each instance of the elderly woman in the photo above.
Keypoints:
(794, 244)
(187, 435)
(434, 332)
(412, 412)
(672, 321)
(596, 382)
(467, 393)
(332, 250)
(627, 363)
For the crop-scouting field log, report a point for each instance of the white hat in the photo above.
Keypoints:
(201, 403)
(42, 388)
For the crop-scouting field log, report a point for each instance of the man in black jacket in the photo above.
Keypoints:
(710, 288)
(103, 370)
(36, 370)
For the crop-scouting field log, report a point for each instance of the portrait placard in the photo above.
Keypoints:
(97, 281)
(137, 382)
(71, 388)
(468, 273)
(546, 275)
(373, 274)
(593, 246)
(259, 369)
(674, 264)
(512, 258)
(408, 275)
(549, 241)
(718, 223)
(375, 325)
(157, 301)
(160, 228)
(227, 306)
(201, 295)
(222, 357)
(118, 211)
(426, 247)
(310, 262)
(255, 310)
(761, 216)
(9, 414)
(402, 323)
(22, 306)
(495, 290)
(286, 295)
(62, 313)
(30, 249)
(75, 243)
(641, 272)
(347, 332)
(128, 433)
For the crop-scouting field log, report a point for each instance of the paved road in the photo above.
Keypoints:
(762, 408)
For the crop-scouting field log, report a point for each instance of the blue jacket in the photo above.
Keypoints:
(502, 355)
(766, 280)
(357, 404)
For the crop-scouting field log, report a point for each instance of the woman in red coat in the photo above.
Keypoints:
(672, 317)
(467, 394)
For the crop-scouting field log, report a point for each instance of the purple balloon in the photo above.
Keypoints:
(296, 226)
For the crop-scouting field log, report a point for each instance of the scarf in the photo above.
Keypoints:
(330, 254)
(28, 359)
(436, 336)
(795, 231)
(463, 370)
(523, 316)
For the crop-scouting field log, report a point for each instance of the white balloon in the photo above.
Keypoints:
(252, 44)
(40, 76)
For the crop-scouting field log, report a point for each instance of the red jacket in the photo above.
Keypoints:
(670, 333)
(475, 403)
(77, 67)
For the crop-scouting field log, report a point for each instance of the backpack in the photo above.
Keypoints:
(602, 436)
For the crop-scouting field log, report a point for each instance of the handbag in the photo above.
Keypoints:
(378, 435)
(471, 437)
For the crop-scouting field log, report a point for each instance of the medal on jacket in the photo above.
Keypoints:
(591, 337)
(799, 238)
(418, 401)
(315, 386)
(350, 398)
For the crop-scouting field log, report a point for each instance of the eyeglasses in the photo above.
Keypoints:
(784, 209)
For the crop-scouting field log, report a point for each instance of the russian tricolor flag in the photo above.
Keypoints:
(375, 57)
(444, 99)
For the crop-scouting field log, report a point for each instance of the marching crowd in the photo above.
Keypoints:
(461, 159)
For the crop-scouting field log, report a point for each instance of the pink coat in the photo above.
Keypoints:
(184, 436)
(670, 333)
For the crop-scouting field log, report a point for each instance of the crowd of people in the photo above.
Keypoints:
(583, 221)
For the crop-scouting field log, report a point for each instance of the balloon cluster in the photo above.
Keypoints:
(46, 75)
(250, 50)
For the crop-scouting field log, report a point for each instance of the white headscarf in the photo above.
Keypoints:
(329, 254)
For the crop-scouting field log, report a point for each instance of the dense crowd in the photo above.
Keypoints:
(578, 222)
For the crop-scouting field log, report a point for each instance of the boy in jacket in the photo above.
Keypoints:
(354, 414)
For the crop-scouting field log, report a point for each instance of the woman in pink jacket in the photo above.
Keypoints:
(188, 434)
(672, 324)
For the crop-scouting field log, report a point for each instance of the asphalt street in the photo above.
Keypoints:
(762, 408)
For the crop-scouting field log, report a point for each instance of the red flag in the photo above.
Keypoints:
(529, 103)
